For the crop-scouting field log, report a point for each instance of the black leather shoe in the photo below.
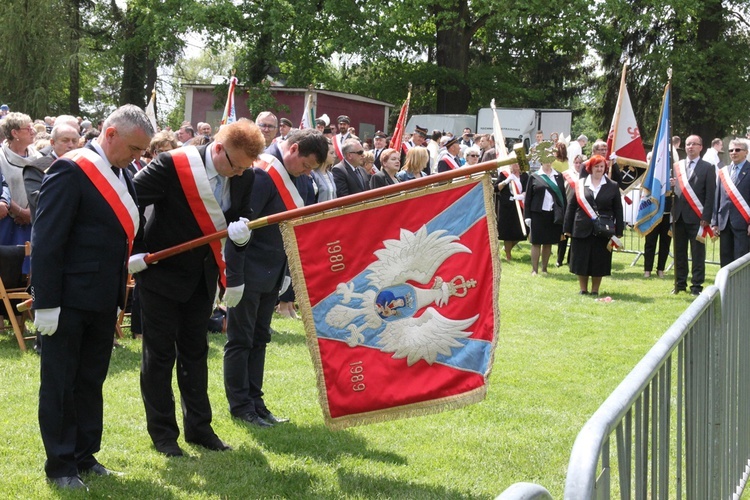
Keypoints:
(254, 419)
(675, 291)
(695, 292)
(211, 443)
(100, 470)
(583, 292)
(269, 417)
(168, 448)
(68, 483)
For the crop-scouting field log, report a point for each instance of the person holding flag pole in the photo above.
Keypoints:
(656, 182)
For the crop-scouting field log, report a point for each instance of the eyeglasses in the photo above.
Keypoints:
(266, 125)
(736, 150)
(472, 156)
(360, 152)
(693, 144)
(231, 165)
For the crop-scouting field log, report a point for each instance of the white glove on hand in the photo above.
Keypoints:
(233, 294)
(528, 222)
(137, 263)
(519, 197)
(238, 232)
(45, 320)
(285, 284)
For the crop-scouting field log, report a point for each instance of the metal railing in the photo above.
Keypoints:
(680, 419)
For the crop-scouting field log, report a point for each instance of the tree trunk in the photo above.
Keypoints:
(74, 67)
(454, 34)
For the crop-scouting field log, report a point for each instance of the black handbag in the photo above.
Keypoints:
(604, 226)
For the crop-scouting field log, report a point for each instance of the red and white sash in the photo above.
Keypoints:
(582, 201)
(734, 194)
(337, 147)
(280, 177)
(571, 177)
(114, 192)
(516, 188)
(191, 172)
(451, 162)
(687, 190)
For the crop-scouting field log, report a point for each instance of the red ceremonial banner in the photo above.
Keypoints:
(399, 301)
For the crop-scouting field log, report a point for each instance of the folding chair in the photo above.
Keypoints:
(11, 260)
(128, 291)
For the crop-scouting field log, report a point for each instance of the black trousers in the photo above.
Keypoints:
(74, 364)
(248, 333)
(684, 235)
(659, 235)
(734, 243)
(175, 332)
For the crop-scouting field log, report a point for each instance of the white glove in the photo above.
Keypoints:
(233, 294)
(519, 197)
(285, 284)
(137, 263)
(45, 320)
(528, 222)
(238, 232)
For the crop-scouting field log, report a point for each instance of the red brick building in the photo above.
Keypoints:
(367, 115)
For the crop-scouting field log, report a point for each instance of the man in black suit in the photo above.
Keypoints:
(346, 174)
(280, 185)
(195, 191)
(731, 219)
(86, 221)
(379, 145)
(449, 160)
(64, 138)
(694, 186)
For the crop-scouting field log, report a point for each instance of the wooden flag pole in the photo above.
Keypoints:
(520, 157)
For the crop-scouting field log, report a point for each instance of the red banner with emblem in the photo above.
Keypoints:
(402, 319)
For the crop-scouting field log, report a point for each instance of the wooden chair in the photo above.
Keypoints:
(128, 290)
(11, 260)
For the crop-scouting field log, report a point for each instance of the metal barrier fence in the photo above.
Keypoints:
(680, 418)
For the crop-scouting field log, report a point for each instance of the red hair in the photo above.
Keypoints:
(593, 161)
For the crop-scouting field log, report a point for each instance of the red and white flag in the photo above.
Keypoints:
(230, 115)
(401, 321)
(624, 143)
(398, 132)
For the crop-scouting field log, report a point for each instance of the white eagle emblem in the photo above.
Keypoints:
(388, 301)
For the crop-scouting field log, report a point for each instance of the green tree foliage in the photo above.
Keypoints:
(34, 56)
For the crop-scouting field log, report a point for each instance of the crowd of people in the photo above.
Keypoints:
(96, 201)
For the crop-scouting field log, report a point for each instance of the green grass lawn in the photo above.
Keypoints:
(559, 355)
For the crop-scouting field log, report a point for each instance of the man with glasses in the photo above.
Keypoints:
(195, 191)
(268, 124)
(347, 175)
(694, 187)
(85, 223)
(258, 270)
(731, 219)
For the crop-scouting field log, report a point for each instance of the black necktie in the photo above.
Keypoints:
(359, 179)
(116, 171)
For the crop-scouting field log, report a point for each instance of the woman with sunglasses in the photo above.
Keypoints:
(472, 155)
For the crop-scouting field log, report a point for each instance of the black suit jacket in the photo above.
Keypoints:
(347, 181)
(608, 202)
(80, 249)
(172, 223)
(261, 265)
(535, 190)
(381, 179)
(33, 173)
(703, 182)
(725, 210)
